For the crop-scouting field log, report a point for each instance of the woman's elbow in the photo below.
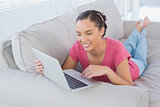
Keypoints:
(130, 84)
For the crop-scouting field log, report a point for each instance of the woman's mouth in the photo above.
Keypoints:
(86, 45)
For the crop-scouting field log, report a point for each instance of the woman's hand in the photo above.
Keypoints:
(122, 77)
(95, 70)
(39, 66)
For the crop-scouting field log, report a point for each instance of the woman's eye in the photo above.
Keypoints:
(79, 34)
(89, 33)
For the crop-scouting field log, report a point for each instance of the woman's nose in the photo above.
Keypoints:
(84, 38)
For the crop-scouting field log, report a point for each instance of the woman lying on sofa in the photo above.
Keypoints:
(105, 59)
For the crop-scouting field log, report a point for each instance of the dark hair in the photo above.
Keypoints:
(95, 16)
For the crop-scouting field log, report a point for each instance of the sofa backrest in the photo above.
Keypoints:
(56, 36)
(53, 37)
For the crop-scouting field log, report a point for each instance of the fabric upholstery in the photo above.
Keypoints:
(22, 89)
(6, 56)
(150, 78)
(56, 36)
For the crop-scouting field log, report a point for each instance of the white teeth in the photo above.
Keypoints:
(86, 45)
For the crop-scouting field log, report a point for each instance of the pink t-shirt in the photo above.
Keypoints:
(115, 53)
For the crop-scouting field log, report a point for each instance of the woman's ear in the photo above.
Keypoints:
(102, 31)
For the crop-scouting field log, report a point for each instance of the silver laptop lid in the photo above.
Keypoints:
(52, 68)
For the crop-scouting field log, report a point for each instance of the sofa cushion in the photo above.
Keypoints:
(5, 105)
(114, 22)
(150, 78)
(6, 55)
(55, 37)
(152, 31)
(35, 90)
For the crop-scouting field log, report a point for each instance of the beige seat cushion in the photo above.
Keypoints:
(35, 90)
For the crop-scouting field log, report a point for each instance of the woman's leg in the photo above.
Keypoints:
(137, 46)
(141, 51)
(131, 43)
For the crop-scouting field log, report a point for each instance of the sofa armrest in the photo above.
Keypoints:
(152, 29)
(6, 55)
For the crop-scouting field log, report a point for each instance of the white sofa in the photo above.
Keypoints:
(21, 86)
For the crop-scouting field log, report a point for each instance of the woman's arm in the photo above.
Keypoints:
(69, 63)
(123, 76)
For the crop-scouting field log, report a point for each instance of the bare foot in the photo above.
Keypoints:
(140, 24)
(146, 21)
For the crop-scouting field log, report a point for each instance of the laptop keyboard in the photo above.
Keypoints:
(74, 83)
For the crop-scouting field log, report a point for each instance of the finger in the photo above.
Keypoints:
(87, 73)
(89, 76)
(40, 68)
(39, 71)
(36, 60)
(37, 66)
(82, 73)
(38, 63)
(86, 70)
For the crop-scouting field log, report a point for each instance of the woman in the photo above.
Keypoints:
(106, 59)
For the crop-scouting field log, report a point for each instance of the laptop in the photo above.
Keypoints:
(69, 79)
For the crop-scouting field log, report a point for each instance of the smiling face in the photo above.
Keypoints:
(88, 35)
